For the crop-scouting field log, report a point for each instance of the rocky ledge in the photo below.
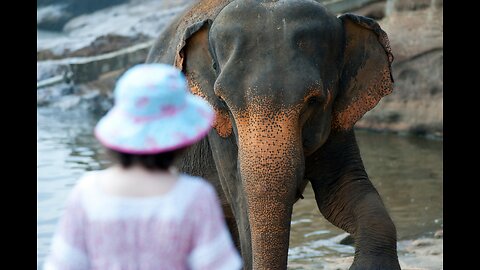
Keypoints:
(94, 49)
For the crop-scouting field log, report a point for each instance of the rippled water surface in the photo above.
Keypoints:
(407, 171)
(408, 174)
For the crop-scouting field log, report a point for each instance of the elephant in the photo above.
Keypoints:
(287, 80)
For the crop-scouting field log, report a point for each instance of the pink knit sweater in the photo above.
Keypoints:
(183, 229)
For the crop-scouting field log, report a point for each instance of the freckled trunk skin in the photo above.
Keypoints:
(269, 158)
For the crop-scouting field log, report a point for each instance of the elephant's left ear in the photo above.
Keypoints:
(367, 75)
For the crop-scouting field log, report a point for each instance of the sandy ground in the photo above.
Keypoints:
(419, 254)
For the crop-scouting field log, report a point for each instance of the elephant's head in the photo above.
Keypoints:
(282, 77)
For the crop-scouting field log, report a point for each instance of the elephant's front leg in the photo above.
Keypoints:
(347, 198)
(364, 216)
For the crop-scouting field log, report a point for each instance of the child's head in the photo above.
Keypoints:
(161, 161)
(154, 117)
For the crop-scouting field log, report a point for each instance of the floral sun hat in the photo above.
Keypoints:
(153, 112)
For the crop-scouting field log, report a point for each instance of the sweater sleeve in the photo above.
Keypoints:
(68, 249)
(213, 247)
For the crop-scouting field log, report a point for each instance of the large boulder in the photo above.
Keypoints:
(109, 29)
(54, 14)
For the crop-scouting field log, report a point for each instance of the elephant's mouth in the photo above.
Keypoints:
(310, 145)
(308, 149)
(315, 135)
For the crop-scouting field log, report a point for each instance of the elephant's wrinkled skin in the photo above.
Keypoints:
(288, 80)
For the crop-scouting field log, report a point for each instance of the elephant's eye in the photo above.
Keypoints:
(215, 66)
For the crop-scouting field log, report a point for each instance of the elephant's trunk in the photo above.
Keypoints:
(271, 162)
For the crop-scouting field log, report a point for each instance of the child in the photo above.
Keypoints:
(142, 213)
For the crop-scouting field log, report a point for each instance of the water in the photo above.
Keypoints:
(45, 34)
(66, 149)
(408, 174)
(407, 171)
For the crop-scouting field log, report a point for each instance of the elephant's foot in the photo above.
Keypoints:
(375, 263)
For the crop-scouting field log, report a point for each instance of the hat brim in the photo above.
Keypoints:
(121, 132)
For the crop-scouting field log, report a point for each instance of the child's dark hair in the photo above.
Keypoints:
(161, 161)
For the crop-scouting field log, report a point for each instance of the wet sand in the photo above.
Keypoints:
(420, 254)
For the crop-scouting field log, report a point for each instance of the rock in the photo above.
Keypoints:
(419, 254)
(89, 100)
(344, 6)
(94, 102)
(338, 263)
(54, 14)
(110, 29)
(86, 69)
(90, 68)
(375, 10)
(112, 39)
(425, 253)
(53, 17)
(51, 47)
(48, 69)
(416, 104)
(50, 95)
(422, 243)
(100, 45)
(408, 5)
(68, 102)
(426, 246)
(95, 96)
